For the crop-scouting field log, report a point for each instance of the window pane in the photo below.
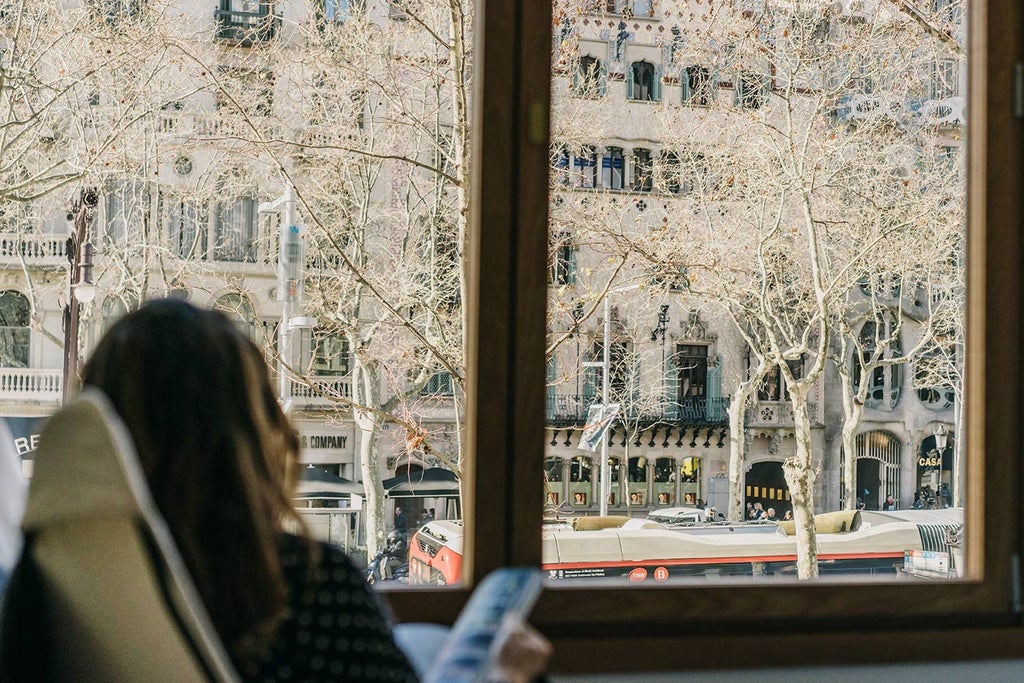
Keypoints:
(780, 289)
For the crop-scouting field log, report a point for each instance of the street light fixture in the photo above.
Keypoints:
(80, 285)
(941, 439)
(657, 332)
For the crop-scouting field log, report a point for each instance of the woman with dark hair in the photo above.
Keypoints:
(221, 460)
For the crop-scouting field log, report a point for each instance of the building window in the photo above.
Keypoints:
(696, 86)
(238, 309)
(116, 11)
(586, 167)
(246, 22)
(114, 308)
(884, 380)
(691, 368)
(14, 330)
(643, 82)
(944, 79)
(751, 90)
(246, 92)
(338, 11)
(126, 210)
(668, 173)
(643, 170)
(562, 270)
(235, 220)
(590, 78)
(580, 468)
(643, 8)
(439, 384)
(331, 357)
(613, 169)
(186, 226)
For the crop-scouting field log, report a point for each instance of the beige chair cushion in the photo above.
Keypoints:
(118, 601)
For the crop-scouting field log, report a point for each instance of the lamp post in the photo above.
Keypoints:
(577, 318)
(657, 332)
(605, 365)
(941, 439)
(80, 285)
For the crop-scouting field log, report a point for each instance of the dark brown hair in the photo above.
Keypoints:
(219, 454)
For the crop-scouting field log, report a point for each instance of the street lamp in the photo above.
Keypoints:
(577, 318)
(657, 332)
(941, 439)
(80, 285)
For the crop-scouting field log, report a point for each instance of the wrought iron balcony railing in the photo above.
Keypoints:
(571, 409)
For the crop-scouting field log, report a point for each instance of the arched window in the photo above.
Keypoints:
(114, 308)
(238, 309)
(590, 78)
(643, 82)
(553, 467)
(235, 220)
(580, 468)
(638, 469)
(663, 468)
(14, 330)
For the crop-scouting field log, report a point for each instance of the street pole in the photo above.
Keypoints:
(605, 365)
(80, 213)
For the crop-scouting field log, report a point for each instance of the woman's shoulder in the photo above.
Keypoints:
(307, 561)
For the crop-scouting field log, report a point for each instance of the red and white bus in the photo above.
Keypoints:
(642, 550)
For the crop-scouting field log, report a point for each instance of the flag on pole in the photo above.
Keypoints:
(599, 419)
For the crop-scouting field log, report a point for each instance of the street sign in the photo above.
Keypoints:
(599, 419)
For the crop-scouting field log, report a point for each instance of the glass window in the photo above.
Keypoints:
(15, 333)
(330, 355)
(797, 276)
(644, 82)
(235, 221)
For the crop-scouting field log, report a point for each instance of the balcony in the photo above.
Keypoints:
(566, 410)
(865, 107)
(247, 28)
(322, 391)
(29, 385)
(776, 414)
(37, 250)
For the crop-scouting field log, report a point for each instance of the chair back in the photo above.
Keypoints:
(113, 598)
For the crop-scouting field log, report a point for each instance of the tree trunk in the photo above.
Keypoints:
(365, 389)
(800, 477)
(737, 450)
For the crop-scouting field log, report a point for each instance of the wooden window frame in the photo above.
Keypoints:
(719, 625)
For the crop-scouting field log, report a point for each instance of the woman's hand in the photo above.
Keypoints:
(522, 653)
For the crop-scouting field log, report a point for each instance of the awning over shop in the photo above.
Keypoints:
(433, 482)
(319, 483)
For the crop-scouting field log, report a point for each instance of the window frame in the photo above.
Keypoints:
(819, 623)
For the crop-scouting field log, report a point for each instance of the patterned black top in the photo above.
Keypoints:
(337, 630)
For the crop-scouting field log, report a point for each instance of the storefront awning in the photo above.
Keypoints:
(319, 483)
(433, 482)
